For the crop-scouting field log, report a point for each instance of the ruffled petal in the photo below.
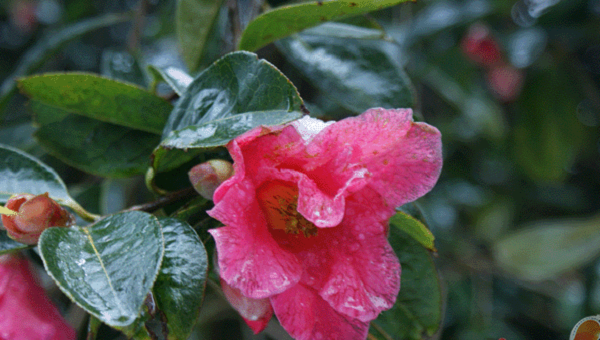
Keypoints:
(306, 316)
(249, 259)
(403, 158)
(255, 312)
(364, 272)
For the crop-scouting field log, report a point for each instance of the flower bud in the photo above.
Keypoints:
(481, 47)
(506, 82)
(25, 310)
(34, 215)
(207, 177)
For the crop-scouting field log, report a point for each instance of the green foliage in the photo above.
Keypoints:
(546, 249)
(99, 98)
(414, 228)
(195, 20)
(108, 267)
(287, 20)
(96, 147)
(418, 308)
(341, 66)
(237, 93)
(176, 78)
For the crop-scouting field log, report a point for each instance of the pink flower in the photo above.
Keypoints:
(26, 313)
(306, 215)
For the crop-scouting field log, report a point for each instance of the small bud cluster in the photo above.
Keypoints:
(34, 215)
(480, 46)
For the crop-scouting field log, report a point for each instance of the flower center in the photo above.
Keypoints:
(279, 201)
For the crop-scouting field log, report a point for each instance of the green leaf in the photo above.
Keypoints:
(547, 248)
(21, 173)
(194, 20)
(547, 133)
(176, 78)
(99, 98)
(414, 228)
(99, 148)
(234, 95)
(284, 21)
(8, 245)
(108, 267)
(358, 74)
(47, 46)
(179, 288)
(418, 308)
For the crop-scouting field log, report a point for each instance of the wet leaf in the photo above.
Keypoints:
(21, 173)
(179, 288)
(108, 267)
(176, 78)
(418, 308)
(99, 98)
(358, 74)
(234, 95)
(287, 20)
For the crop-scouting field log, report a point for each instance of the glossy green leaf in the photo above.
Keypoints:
(21, 173)
(179, 288)
(418, 309)
(547, 248)
(358, 74)
(176, 78)
(284, 21)
(547, 134)
(46, 47)
(414, 228)
(107, 268)
(8, 245)
(234, 95)
(342, 30)
(96, 147)
(99, 98)
(194, 20)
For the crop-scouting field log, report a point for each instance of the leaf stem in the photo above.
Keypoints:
(164, 200)
(135, 34)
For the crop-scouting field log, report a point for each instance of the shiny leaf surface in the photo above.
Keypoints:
(357, 73)
(107, 268)
(179, 287)
(176, 78)
(414, 228)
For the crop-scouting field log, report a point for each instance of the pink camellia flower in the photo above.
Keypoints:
(306, 218)
(26, 313)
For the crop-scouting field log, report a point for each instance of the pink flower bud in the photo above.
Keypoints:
(25, 310)
(207, 177)
(480, 46)
(35, 214)
(506, 82)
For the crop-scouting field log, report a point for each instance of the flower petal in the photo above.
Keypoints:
(305, 316)
(364, 274)
(403, 158)
(249, 259)
(256, 312)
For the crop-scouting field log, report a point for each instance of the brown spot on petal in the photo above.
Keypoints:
(386, 162)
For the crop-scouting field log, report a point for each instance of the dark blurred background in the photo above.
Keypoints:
(512, 85)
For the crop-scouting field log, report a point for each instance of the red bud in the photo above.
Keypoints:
(207, 177)
(480, 46)
(35, 214)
